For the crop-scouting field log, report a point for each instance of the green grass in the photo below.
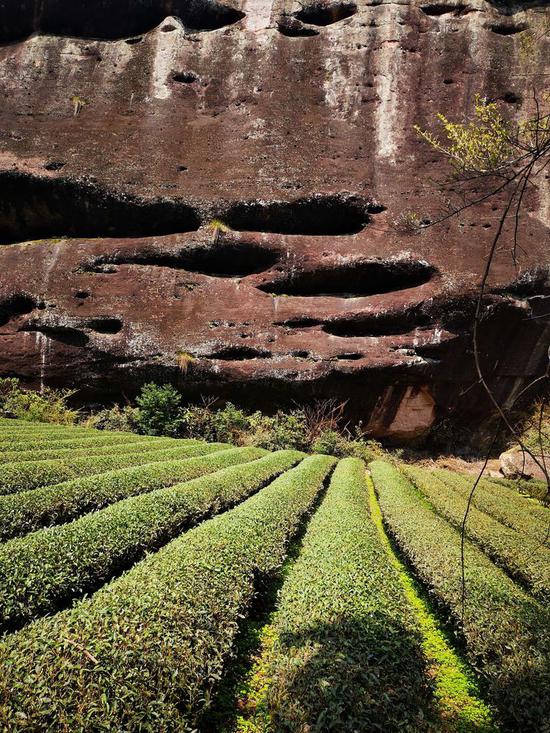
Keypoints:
(457, 694)
(30, 510)
(146, 650)
(505, 631)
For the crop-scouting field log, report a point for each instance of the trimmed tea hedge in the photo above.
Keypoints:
(347, 653)
(50, 505)
(45, 569)
(507, 633)
(503, 504)
(41, 442)
(144, 652)
(523, 557)
(29, 475)
(532, 487)
(140, 444)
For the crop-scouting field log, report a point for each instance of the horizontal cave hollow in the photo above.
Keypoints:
(43, 208)
(325, 13)
(317, 215)
(239, 353)
(15, 306)
(105, 325)
(289, 26)
(507, 29)
(373, 325)
(353, 279)
(67, 335)
(437, 9)
(108, 19)
(223, 259)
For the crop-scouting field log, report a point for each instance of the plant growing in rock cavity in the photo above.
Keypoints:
(510, 156)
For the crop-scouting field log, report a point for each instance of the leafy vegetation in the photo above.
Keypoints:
(26, 475)
(347, 651)
(40, 572)
(521, 556)
(145, 652)
(504, 504)
(506, 632)
(29, 510)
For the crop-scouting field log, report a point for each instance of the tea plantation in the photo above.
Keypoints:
(157, 584)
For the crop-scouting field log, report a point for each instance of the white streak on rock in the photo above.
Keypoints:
(258, 14)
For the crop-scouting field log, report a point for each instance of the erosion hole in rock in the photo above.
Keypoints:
(64, 334)
(224, 259)
(373, 325)
(239, 353)
(353, 279)
(437, 9)
(105, 325)
(15, 306)
(331, 215)
(319, 13)
(512, 98)
(40, 208)
(294, 29)
(299, 322)
(352, 356)
(110, 19)
(185, 77)
(507, 29)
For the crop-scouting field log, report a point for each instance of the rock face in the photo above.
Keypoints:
(218, 195)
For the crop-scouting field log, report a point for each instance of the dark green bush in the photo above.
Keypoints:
(159, 410)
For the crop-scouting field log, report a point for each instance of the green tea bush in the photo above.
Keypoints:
(506, 632)
(141, 444)
(27, 475)
(521, 556)
(29, 510)
(504, 504)
(347, 653)
(144, 653)
(42, 571)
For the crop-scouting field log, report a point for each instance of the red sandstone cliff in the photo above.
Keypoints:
(126, 128)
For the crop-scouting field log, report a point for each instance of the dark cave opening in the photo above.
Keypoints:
(507, 29)
(353, 279)
(292, 28)
(43, 208)
(330, 215)
(438, 9)
(238, 353)
(222, 259)
(15, 306)
(108, 19)
(105, 325)
(326, 13)
(64, 334)
(372, 325)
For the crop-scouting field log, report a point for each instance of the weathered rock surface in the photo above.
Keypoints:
(515, 463)
(128, 128)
